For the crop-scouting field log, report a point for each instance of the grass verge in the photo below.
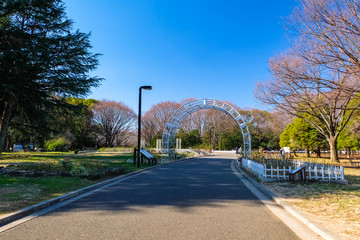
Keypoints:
(17, 192)
(20, 192)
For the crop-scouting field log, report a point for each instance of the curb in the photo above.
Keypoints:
(310, 223)
(8, 218)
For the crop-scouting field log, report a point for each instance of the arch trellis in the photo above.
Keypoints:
(175, 120)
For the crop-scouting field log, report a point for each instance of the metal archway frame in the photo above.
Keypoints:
(175, 120)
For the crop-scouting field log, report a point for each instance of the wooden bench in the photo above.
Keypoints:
(299, 171)
(354, 164)
(148, 156)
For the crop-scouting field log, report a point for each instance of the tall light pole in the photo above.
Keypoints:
(210, 139)
(139, 122)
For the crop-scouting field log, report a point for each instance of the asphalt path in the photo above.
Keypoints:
(199, 198)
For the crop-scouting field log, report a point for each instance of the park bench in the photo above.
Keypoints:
(300, 172)
(354, 164)
(148, 156)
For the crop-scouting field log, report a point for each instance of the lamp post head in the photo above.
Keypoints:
(146, 87)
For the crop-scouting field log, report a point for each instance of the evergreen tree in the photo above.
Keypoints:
(42, 60)
(300, 134)
(349, 138)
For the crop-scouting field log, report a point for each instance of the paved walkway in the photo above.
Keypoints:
(193, 199)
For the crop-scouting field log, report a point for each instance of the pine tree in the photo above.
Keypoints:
(42, 60)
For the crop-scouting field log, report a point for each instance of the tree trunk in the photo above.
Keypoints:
(294, 151)
(307, 152)
(333, 149)
(318, 153)
(4, 124)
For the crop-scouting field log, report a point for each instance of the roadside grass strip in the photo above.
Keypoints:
(37, 177)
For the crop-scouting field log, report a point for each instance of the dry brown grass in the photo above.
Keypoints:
(335, 206)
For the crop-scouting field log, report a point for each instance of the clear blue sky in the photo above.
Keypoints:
(183, 48)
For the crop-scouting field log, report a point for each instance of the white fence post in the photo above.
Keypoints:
(284, 173)
(289, 171)
(336, 173)
(265, 175)
(264, 167)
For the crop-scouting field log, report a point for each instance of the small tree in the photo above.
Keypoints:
(300, 134)
(192, 139)
(56, 144)
(349, 139)
(79, 121)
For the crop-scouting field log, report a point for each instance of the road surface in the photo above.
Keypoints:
(193, 199)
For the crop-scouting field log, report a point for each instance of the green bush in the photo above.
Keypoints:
(56, 144)
(80, 170)
(66, 165)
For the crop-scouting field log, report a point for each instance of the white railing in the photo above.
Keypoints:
(277, 172)
(317, 172)
(329, 173)
(254, 167)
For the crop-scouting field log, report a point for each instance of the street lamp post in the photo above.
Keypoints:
(139, 123)
(210, 139)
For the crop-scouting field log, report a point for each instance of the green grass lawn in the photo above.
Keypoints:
(18, 192)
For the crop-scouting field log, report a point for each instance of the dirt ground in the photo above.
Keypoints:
(335, 206)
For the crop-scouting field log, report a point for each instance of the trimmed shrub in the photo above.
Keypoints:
(56, 144)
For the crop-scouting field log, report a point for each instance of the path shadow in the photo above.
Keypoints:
(182, 185)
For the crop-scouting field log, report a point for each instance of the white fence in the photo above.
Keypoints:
(257, 168)
(313, 172)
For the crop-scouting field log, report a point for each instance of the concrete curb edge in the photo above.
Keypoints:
(310, 223)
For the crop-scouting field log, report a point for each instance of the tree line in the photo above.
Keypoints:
(91, 123)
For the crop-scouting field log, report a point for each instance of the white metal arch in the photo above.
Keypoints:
(175, 120)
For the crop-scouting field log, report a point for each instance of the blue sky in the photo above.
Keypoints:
(200, 49)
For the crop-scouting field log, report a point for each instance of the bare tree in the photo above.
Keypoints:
(114, 121)
(312, 92)
(154, 120)
(319, 77)
(131, 139)
(330, 31)
(208, 122)
(197, 120)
